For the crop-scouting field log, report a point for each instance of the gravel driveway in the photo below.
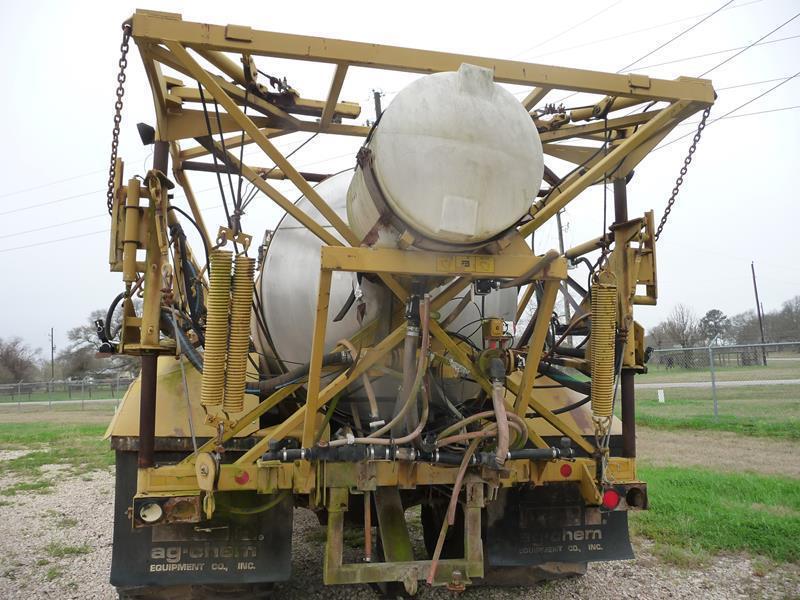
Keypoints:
(58, 545)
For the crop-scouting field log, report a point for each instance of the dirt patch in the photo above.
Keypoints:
(54, 547)
(717, 450)
(81, 417)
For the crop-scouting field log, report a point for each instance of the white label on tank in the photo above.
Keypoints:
(459, 215)
(661, 396)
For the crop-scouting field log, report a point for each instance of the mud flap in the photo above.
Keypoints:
(237, 549)
(550, 523)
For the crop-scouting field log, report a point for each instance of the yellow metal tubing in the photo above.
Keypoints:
(239, 342)
(216, 346)
(604, 313)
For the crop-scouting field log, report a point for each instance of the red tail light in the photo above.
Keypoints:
(610, 499)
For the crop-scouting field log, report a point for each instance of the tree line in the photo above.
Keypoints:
(21, 362)
(684, 328)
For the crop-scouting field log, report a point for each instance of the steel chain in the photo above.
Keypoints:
(679, 181)
(123, 63)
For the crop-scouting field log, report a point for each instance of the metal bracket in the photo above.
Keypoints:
(225, 235)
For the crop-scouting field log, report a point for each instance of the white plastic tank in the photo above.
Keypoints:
(289, 281)
(455, 160)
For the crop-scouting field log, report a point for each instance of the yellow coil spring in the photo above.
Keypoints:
(216, 346)
(239, 343)
(604, 316)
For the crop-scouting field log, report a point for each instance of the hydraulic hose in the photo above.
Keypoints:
(266, 387)
(410, 437)
(498, 372)
(422, 366)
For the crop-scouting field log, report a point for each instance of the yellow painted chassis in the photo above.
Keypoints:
(165, 39)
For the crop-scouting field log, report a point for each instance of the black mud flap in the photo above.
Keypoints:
(236, 549)
(550, 523)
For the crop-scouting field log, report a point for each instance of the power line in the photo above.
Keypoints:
(740, 85)
(634, 32)
(64, 239)
(669, 41)
(30, 206)
(74, 177)
(679, 35)
(727, 114)
(750, 46)
(48, 184)
(742, 48)
(568, 29)
(61, 224)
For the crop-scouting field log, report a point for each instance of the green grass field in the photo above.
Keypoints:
(766, 410)
(98, 392)
(657, 373)
(77, 448)
(704, 511)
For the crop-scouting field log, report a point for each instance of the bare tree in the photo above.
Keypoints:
(681, 327)
(80, 358)
(17, 360)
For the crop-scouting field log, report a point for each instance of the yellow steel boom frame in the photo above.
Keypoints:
(220, 59)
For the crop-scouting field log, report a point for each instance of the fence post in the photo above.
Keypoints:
(713, 377)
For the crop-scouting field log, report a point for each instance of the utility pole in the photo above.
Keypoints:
(376, 96)
(758, 311)
(52, 356)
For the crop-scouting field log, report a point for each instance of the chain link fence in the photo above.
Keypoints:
(752, 381)
(49, 394)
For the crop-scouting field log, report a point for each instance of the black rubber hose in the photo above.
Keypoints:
(110, 315)
(266, 387)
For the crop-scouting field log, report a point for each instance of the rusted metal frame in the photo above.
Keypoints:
(553, 419)
(626, 284)
(534, 97)
(168, 58)
(406, 571)
(291, 208)
(342, 381)
(386, 260)
(600, 126)
(460, 357)
(186, 185)
(190, 123)
(303, 106)
(560, 200)
(544, 312)
(226, 65)
(315, 364)
(231, 142)
(326, 50)
(287, 205)
(262, 407)
(578, 155)
(244, 98)
(269, 149)
(525, 300)
(268, 173)
(158, 86)
(270, 477)
(276, 156)
(333, 96)
(392, 526)
(313, 108)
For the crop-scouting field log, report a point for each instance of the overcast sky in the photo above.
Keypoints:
(739, 202)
